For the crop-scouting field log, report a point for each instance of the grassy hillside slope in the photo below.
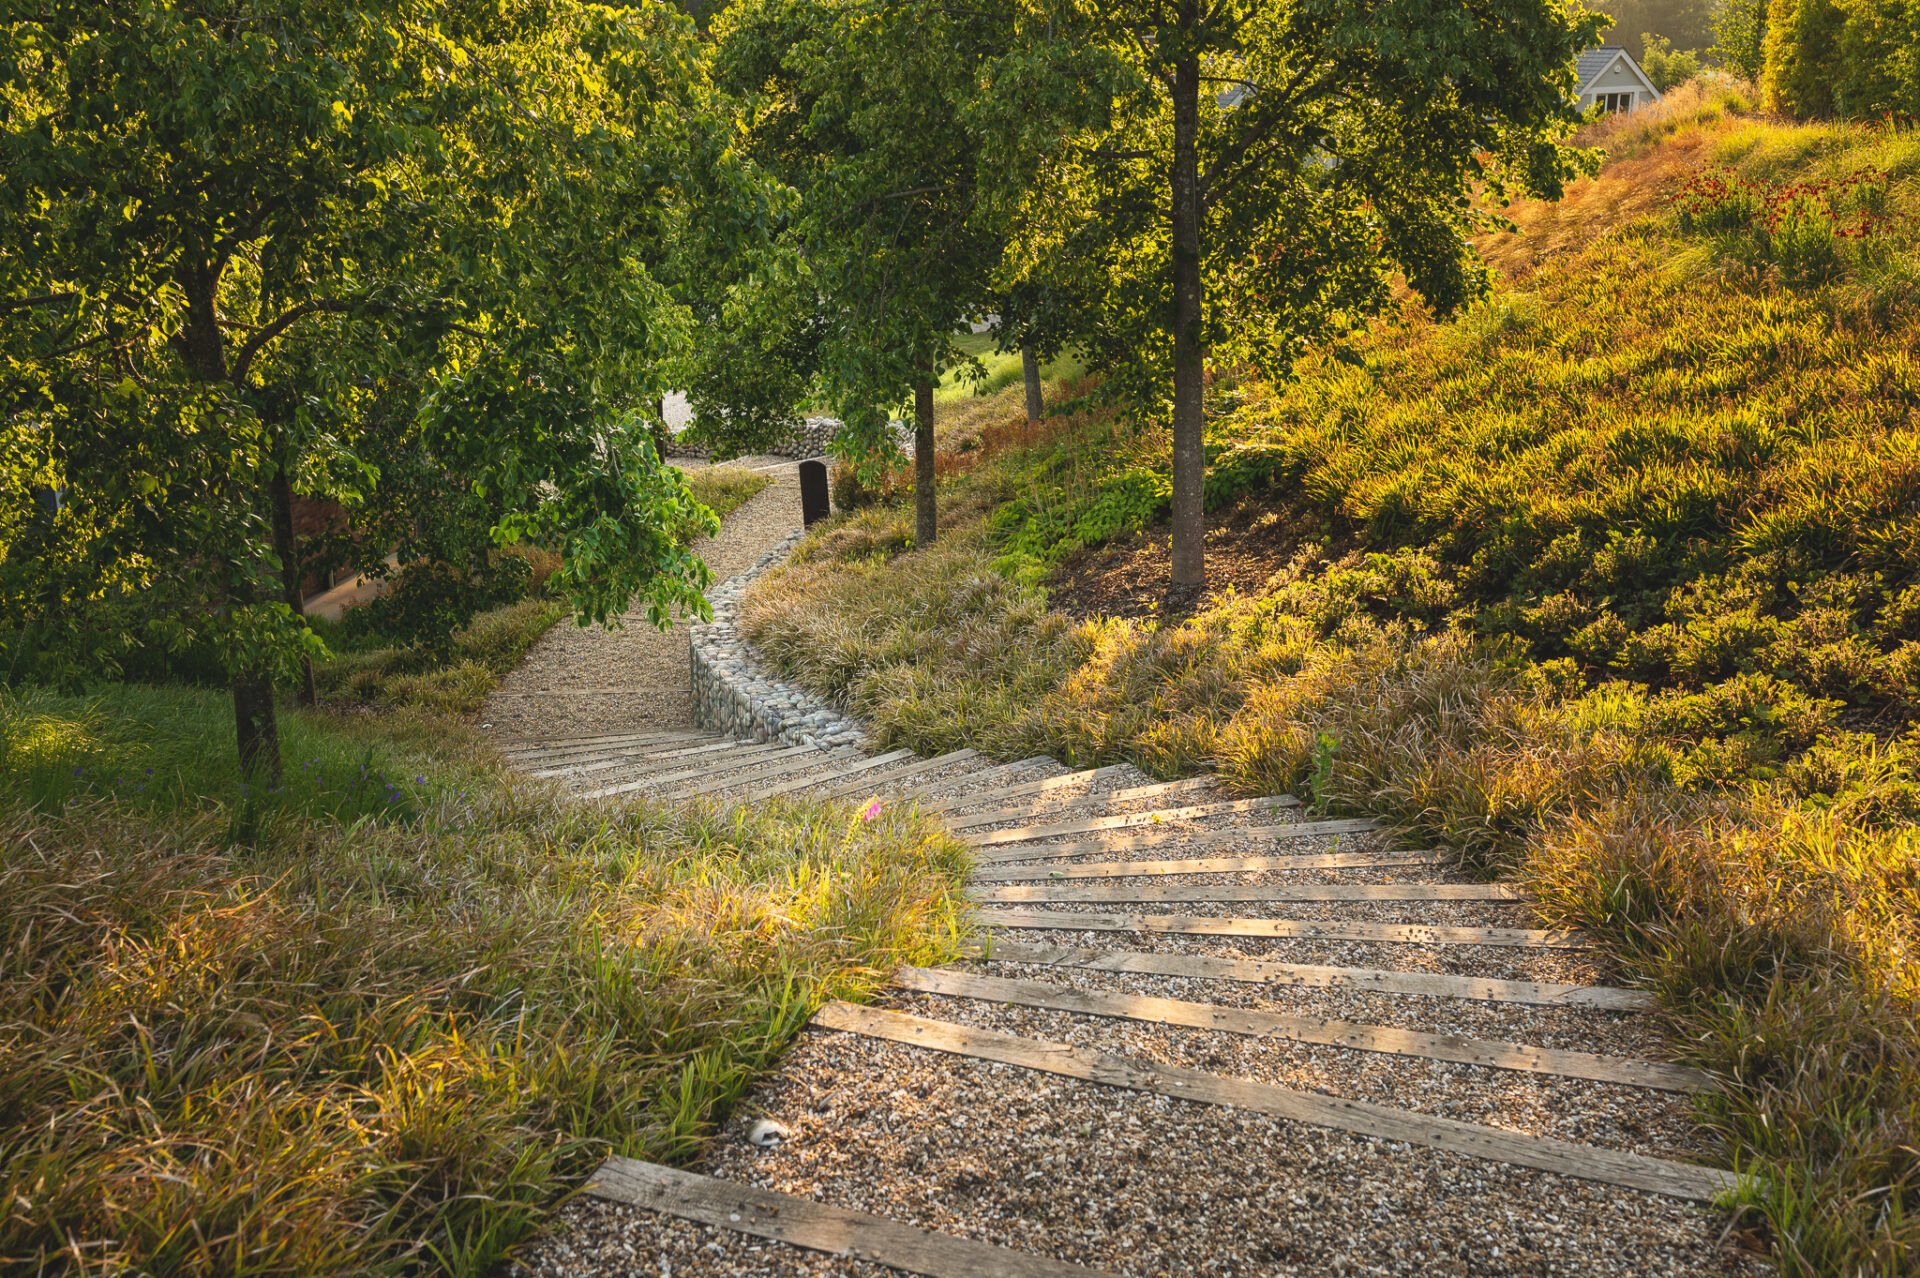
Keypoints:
(1612, 582)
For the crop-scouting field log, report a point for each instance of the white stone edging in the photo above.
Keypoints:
(734, 693)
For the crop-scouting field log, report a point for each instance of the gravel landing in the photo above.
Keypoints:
(580, 680)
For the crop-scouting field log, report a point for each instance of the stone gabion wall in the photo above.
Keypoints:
(734, 693)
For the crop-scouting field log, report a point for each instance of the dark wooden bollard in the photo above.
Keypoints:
(814, 504)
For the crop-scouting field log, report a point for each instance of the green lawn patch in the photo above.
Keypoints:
(387, 1033)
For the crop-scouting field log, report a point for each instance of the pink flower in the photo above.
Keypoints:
(871, 811)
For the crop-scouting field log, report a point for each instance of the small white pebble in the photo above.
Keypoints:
(765, 1134)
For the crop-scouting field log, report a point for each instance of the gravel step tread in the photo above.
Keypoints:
(1187, 839)
(1328, 1031)
(1205, 865)
(865, 764)
(1309, 929)
(808, 761)
(1221, 893)
(1616, 1167)
(712, 765)
(893, 776)
(1272, 972)
(1126, 820)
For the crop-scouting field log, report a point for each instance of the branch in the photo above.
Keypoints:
(38, 299)
(267, 332)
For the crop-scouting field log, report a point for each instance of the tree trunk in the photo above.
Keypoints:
(287, 549)
(1189, 355)
(203, 351)
(926, 524)
(1036, 397)
(257, 730)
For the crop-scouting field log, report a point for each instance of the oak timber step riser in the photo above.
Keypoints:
(623, 749)
(1635, 1171)
(1284, 929)
(653, 780)
(835, 778)
(546, 744)
(648, 758)
(801, 1222)
(1028, 789)
(1127, 820)
(991, 783)
(1319, 976)
(754, 774)
(1255, 1023)
(711, 773)
(1205, 865)
(894, 776)
(1229, 893)
(1191, 840)
(1098, 803)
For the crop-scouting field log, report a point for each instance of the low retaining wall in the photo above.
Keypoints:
(734, 693)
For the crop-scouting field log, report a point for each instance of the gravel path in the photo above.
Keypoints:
(1139, 1183)
(580, 680)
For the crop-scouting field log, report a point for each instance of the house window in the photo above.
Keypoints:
(1612, 102)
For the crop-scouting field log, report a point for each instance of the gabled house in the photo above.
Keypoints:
(1611, 78)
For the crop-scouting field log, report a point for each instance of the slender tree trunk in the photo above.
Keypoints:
(926, 523)
(1189, 355)
(203, 351)
(286, 548)
(1036, 397)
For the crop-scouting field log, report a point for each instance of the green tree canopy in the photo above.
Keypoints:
(866, 110)
(1232, 180)
(231, 228)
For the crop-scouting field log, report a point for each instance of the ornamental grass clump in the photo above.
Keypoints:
(388, 1038)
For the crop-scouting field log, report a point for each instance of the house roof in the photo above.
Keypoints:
(1594, 61)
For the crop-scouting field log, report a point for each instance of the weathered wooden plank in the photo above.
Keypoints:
(1544, 1153)
(609, 749)
(980, 783)
(801, 1222)
(635, 757)
(853, 769)
(860, 784)
(562, 743)
(1044, 785)
(1254, 1023)
(1319, 976)
(1203, 865)
(753, 773)
(713, 764)
(1078, 805)
(1189, 840)
(1125, 820)
(1296, 929)
(1118, 893)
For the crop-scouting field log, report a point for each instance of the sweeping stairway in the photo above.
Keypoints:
(1167, 942)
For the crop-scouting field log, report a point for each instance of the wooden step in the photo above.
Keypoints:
(753, 773)
(1126, 820)
(1078, 805)
(866, 785)
(560, 743)
(1384, 1039)
(1189, 840)
(667, 756)
(1204, 865)
(987, 780)
(1318, 976)
(714, 763)
(801, 1222)
(610, 749)
(1223, 893)
(1296, 929)
(1614, 1167)
(853, 769)
(1044, 785)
